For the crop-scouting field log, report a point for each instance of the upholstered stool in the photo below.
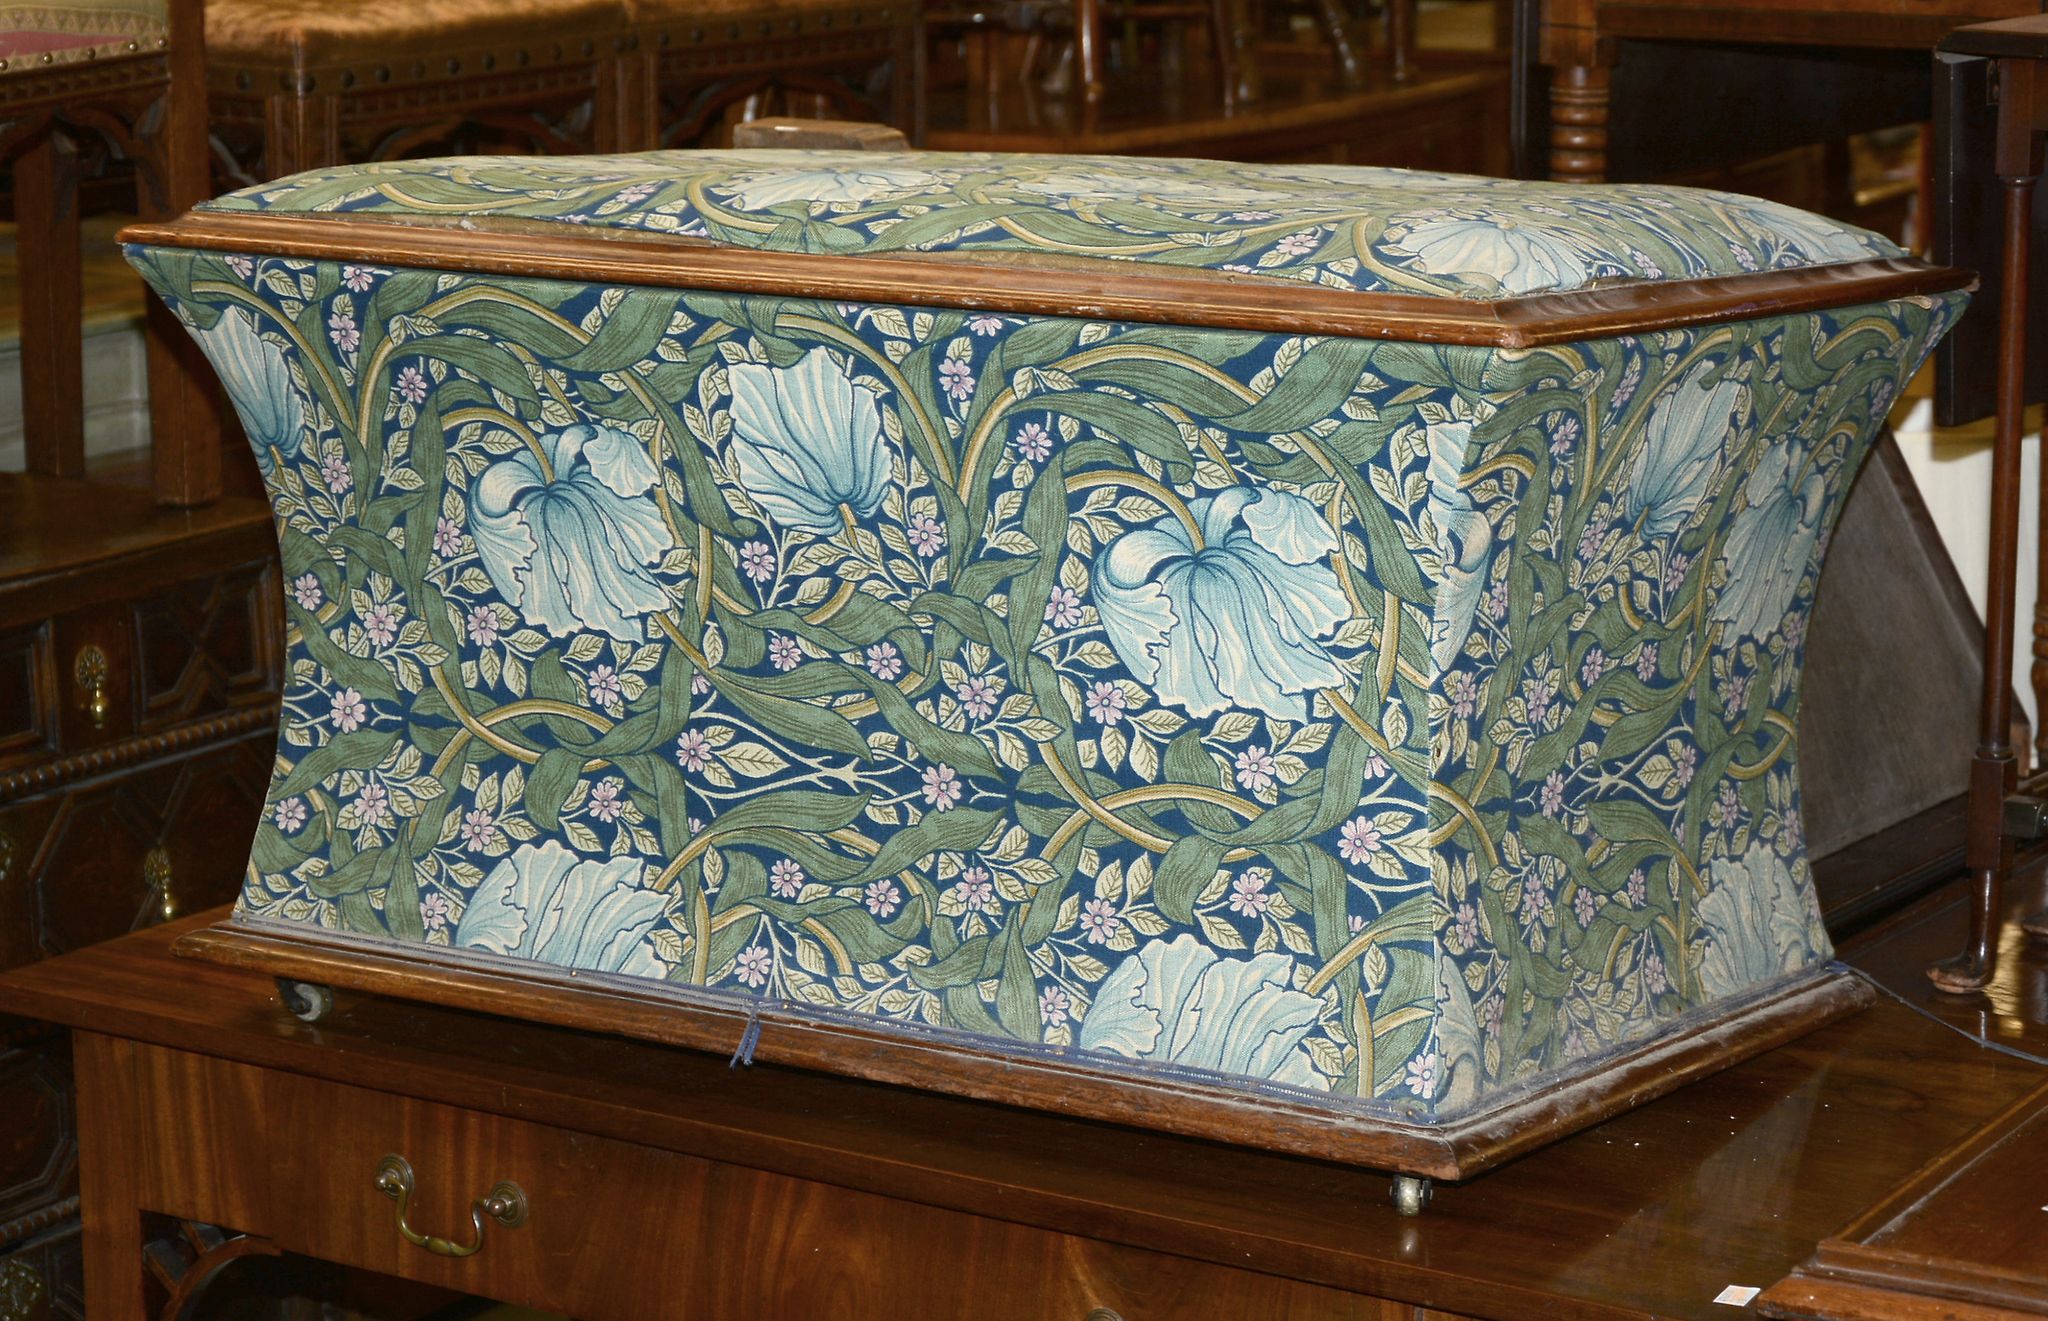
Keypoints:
(1306, 656)
(302, 83)
(129, 72)
(717, 62)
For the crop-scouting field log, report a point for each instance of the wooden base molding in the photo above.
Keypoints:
(1069, 1082)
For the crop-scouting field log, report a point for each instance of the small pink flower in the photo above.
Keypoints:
(927, 534)
(883, 661)
(786, 878)
(1683, 763)
(334, 470)
(1034, 442)
(1375, 767)
(699, 685)
(605, 803)
(977, 697)
(341, 327)
(1256, 769)
(1099, 920)
(1106, 703)
(941, 787)
(1422, 1075)
(479, 828)
(1461, 693)
(1551, 798)
(1297, 244)
(242, 266)
(373, 805)
(1653, 974)
(753, 965)
(1063, 608)
(882, 897)
(434, 911)
(350, 711)
(289, 815)
(604, 685)
(381, 624)
(412, 385)
(1053, 1006)
(1248, 894)
(1584, 906)
(1359, 841)
(447, 536)
(976, 890)
(783, 651)
(956, 378)
(306, 591)
(483, 625)
(1595, 665)
(358, 278)
(757, 561)
(693, 750)
(1646, 663)
(1637, 889)
(985, 325)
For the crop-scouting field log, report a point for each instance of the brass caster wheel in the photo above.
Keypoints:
(309, 1002)
(1410, 1194)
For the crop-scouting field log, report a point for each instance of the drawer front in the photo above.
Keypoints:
(91, 861)
(618, 1232)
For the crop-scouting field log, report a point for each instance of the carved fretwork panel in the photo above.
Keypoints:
(206, 645)
(38, 1141)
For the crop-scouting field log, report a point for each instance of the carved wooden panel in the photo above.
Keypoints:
(206, 645)
(25, 718)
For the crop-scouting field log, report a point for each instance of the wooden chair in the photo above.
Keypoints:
(130, 73)
(300, 84)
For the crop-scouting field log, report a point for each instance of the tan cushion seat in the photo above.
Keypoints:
(673, 11)
(311, 32)
(52, 32)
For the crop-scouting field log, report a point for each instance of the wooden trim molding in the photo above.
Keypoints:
(1020, 283)
(1067, 1081)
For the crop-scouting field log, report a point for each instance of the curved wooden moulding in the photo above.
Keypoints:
(1071, 1082)
(1114, 291)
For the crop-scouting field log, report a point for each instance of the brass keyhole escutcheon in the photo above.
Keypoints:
(156, 874)
(90, 672)
(505, 1203)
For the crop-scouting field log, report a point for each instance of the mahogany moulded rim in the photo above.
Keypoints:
(1559, 1102)
(1020, 283)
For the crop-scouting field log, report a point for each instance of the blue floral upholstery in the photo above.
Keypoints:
(1393, 722)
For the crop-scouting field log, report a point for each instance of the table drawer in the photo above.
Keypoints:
(620, 1232)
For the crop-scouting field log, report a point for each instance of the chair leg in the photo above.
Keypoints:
(1088, 39)
(52, 325)
(300, 133)
(188, 414)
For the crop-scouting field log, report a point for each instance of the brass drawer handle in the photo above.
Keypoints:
(506, 1204)
(90, 672)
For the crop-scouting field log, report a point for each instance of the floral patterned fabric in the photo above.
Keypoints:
(1383, 721)
(1345, 227)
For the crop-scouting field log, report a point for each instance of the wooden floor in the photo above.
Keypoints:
(1450, 115)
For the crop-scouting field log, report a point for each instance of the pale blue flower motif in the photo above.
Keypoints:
(1180, 1003)
(1457, 1040)
(1756, 921)
(258, 383)
(1496, 253)
(1464, 541)
(1689, 427)
(806, 440)
(570, 535)
(1802, 237)
(1771, 543)
(552, 905)
(1234, 620)
(829, 178)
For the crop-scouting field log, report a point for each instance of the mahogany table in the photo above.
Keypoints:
(660, 1182)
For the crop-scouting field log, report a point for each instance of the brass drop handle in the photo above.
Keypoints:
(156, 874)
(505, 1204)
(90, 672)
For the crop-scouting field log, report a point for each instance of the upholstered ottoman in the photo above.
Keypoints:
(1305, 656)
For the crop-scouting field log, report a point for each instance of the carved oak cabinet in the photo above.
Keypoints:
(138, 688)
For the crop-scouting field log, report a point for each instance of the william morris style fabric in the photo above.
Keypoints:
(1387, 721)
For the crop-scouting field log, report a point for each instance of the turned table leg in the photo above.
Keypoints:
(1578, 123)
(1992, 769)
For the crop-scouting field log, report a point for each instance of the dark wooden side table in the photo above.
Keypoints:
(659, 1183)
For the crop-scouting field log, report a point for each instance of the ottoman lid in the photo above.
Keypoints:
(1341, 227)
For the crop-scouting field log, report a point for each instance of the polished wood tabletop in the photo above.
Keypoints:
(1732, 1180)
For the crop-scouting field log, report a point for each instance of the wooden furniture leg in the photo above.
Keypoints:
(301, 132)
(52, 362)
(1088, 38)
(186, 408)
(1400, 40)
(112, 1210)
(1578, 123)
(1992, 773)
